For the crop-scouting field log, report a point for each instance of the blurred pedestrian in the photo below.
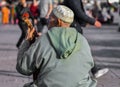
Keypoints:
(100, 17)
(61, 57)
(34, 8)
(45, 7)
(5, 14)
(80, 20)
(13, 14)
(22, 8)
(57, 2)
(105, 14)
(96, 9)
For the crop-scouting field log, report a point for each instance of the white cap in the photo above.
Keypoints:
(64, 13)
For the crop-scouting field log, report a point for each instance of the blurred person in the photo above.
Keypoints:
(45, 7)
(34, 8)
(80, 20)
(61, 57)
(119, 17)
(96, 9)
(111, 16)
(10, 15)
(13, 14)
(57, 2)
(105, 14)
(100, 17)
(89, 12)
(22, 8)
(5, 14)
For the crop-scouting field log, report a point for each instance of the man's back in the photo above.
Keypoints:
(61, 57)
(72, 71)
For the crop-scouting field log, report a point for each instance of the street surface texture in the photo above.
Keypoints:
(104, 43)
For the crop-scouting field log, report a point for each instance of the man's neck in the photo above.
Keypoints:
(65, 25)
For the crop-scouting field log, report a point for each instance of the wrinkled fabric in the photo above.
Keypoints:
(71, 71)
(64, 41)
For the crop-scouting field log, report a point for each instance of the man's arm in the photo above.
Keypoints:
(25, 63)
(78, 11)
(28, 57)
(50, 7)
(77, 8)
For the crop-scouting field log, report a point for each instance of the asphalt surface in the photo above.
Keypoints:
(105, 46)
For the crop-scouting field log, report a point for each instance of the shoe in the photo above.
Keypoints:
(100, 72)
(17, 46)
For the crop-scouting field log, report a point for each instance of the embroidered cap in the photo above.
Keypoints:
(64, 13)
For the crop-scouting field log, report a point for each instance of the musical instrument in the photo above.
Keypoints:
(26, 19)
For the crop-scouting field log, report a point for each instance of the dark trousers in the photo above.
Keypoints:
(95, 68)
(23, 28)
(40, 25)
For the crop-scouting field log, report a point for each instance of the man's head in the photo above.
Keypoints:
(61, 16)
(22, 1)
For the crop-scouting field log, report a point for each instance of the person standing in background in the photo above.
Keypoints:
(13, 14)
(81, 19)
(57, 2)
(5, 14)
(22, 8)
(45, 7)
(34, 8)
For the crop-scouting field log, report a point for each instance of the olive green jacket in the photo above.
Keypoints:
(62, 56)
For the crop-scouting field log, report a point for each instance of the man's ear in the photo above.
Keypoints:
(59, 22)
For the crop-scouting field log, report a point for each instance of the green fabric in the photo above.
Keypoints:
(64, 40)
(54, 72)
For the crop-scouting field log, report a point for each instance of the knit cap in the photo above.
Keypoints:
(64, 13)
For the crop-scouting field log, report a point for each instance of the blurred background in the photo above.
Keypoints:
(103, 10)
(104, 42)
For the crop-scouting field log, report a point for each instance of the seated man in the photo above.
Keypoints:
(59, 58)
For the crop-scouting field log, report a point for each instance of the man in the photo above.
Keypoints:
(22, 8)
(45, 7)
(61, 57)
(80, 20)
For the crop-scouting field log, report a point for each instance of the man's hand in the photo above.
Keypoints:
(30, 34)
(98, 24)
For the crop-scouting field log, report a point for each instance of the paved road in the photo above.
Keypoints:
(105, 46)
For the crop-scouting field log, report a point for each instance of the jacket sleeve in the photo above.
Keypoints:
(76, 6)
(27, 58)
